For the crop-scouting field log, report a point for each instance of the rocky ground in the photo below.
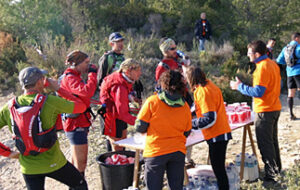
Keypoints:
(11, 178)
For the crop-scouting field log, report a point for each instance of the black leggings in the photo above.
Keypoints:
(68, 175)
(217, 154)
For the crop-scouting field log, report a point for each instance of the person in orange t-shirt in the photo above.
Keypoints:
(267, 106)
(166, 118)
(212, 120)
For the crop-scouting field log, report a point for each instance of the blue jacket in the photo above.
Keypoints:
(290, 71)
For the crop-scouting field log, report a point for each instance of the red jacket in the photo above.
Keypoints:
(73, 83)
(166, 64)
(114, 93)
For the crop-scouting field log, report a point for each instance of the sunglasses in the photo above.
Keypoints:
(173, 48)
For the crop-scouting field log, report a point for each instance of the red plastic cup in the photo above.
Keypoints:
(244, 104)
(249, 114)
(130, 160)
(233, 118)
(247, 108)
(245, 115)
(240, 117)
(230, 106)
(109, 161)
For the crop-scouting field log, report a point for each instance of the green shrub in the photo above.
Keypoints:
(148, 77)
(221, 64)
(9, 58)
(52, 58)
(141, 47)
(120, 17)
(229, 96)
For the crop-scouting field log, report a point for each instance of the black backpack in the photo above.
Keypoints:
(289, 55)
(103, 69)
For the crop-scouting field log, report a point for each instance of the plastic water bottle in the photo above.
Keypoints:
(238, 163)
(230, 176)
(196, 181)
(203, 184)
(191, 183)
(236, 175)
(233, 176)
(251, 168)
(185, 58)
(256, 172)
(213, 185)
(246, 167)
(180, 54)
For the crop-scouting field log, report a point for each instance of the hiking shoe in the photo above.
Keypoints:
(293, 117)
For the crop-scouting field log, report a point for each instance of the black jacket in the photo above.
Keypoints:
(199, 30)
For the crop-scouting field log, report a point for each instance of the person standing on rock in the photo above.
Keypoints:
(52, 162)
(265, 92)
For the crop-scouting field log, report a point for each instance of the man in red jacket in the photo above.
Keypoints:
(115, 93)
(170, 60)
(173, 60)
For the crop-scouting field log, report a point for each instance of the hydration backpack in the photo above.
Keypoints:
(289, 55)
(30, 138)
(104, 69)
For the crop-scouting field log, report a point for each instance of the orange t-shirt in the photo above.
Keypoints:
(166, 129)
(209, 99)
(267, 74)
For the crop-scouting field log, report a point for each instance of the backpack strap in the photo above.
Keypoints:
(40, 98)
(103, 69)
(113, 55)
(63, 76)
(164, 65)
(294, 55)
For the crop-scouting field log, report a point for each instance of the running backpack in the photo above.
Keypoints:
(30, 138)
(103, 70)
(289, 55)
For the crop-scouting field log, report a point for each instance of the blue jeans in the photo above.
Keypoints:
(201, 44)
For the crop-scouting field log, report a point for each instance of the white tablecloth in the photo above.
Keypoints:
(195, 137)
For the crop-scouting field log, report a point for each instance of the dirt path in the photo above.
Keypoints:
(11, 178)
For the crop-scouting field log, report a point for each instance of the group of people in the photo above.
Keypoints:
(165, 117)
